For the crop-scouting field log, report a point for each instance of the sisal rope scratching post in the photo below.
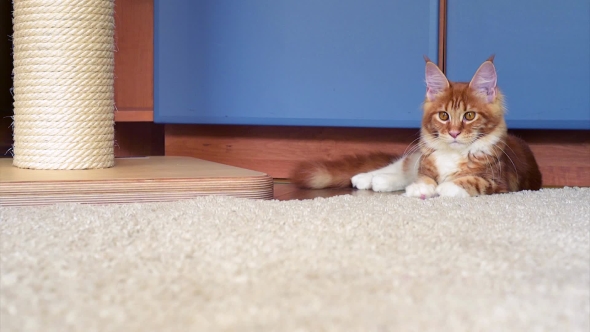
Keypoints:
(63, 84)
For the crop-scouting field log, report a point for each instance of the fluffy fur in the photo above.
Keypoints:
(464, 148)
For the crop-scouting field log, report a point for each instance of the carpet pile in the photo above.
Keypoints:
(512, 262)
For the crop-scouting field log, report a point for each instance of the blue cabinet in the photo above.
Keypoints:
(542, 56)
(293, 62)
(359, 63)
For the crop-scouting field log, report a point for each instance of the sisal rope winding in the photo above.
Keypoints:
(63, 84)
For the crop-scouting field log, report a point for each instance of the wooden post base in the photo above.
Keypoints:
(146, 179)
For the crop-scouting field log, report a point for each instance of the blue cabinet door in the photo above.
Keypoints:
(293, 62)
(542, 56)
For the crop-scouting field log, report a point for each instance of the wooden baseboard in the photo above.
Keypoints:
(563, 155)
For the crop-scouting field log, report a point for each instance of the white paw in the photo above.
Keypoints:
(387, 183)
(362, 181)
(420, 190)
(449, 189)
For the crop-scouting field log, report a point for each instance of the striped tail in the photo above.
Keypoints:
(337, 173)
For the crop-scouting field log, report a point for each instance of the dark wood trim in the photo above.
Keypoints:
(138, 139)
(442, 35)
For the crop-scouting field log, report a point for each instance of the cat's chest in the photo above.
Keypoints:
(447, 163)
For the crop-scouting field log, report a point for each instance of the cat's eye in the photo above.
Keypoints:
(443, 116)
(469, 116)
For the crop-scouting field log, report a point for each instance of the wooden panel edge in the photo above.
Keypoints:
(123, 115)
(442, 35)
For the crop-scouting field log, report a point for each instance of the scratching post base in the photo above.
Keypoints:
(148, 179)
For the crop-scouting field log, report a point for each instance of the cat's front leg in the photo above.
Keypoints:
(363, 181)
(380, 182)
(392, 177)
(465, 186)
(424, 187)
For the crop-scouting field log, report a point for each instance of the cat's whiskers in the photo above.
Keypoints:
(512, 162)
(417, 149)
(437, 143)
(498, 164)
(515, 154)
(412, 150)
(418, 163)
(498, 161)
(476, 138)
(491, 166)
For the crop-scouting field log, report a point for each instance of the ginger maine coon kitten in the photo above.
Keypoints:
(464, 148)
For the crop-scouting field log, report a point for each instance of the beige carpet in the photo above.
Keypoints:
(514, 262)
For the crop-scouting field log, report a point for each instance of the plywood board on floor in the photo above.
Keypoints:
(131, 180)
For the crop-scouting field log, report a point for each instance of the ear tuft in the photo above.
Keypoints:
(484, 81)
(436, 81)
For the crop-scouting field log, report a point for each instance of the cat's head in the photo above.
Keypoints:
(462, 115)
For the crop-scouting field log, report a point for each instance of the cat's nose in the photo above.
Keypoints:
(454, 133)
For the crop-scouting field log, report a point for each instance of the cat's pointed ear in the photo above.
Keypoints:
(436, 81)
(485, 79)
